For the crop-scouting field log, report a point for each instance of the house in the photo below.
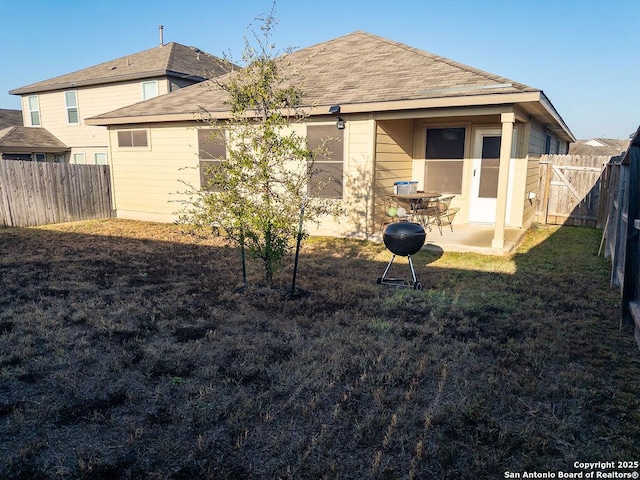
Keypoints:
(60, 105)
(403, 113)
(23, 143)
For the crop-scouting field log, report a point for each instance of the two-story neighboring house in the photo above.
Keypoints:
(61, 104)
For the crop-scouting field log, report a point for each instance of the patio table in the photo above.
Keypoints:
(416, 200)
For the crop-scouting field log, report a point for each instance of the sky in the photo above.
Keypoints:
(584, 54)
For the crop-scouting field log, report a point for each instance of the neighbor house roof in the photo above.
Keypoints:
(28, 140)
(598, 146)
(171, 59)
(10, 118)
(360, 72)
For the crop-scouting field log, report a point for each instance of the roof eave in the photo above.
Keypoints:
(345, 108)
(98, 81)
(554, 113)
(132, 120)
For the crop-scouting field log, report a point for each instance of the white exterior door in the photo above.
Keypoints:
(486, 166)
(484, 183)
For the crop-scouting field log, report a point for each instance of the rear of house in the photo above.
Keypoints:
(404, 114)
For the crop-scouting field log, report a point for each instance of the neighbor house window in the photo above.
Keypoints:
(444, 159)
(149, 90)
(40, 157)
(132, 138)
(326, 179)
(34, 110)
(212, 150)
(71, 102)
(100, 158)
(78, 158)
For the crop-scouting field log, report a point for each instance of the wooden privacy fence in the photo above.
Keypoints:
(621, 238)
(34, 193)
(570, 188)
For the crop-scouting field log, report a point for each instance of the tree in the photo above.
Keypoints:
(256, 194)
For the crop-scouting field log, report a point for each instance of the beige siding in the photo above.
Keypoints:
(92, 101)
(394, 159)
(147, 181)
(531, 186)
(538, 140)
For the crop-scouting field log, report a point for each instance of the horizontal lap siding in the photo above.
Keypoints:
(394, 159)
(533, 176)
(148, 182)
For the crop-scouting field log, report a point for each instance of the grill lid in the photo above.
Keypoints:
(404, 238)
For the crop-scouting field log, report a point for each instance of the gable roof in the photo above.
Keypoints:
(171, 59)
(10, 118)
(360, 72)
(28, 140)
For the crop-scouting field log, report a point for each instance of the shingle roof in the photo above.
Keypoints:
(172, 59)
(10, 118)
(358, 68)
(601, 146)
(29, 139)
(362, 73)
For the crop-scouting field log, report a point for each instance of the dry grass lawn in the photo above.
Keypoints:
(128, 352)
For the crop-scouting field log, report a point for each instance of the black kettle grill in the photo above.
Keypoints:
(404, 239)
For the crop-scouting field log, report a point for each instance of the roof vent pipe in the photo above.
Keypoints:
(161, 28)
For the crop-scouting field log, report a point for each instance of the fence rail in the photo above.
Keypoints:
(34, 193)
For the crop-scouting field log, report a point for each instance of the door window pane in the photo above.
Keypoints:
(490, 167)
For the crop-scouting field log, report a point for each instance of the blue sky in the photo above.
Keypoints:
(584, 54)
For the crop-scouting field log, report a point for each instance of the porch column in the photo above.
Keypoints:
(508, 119)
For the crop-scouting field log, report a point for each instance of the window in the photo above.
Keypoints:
(547, 144)
(34, 110)
(149, 89)
(25, 157)
(78, 158)
(132, 138)
(100, 158)
(326, 180)
(71, 102)
(40, 157)
(444, 160)
(211, 151)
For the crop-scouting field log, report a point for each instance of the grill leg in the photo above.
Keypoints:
(413, 272)
(388, 267)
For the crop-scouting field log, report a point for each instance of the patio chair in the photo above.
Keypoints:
(446, 213)
(426, 212)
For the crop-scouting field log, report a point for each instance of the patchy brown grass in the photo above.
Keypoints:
(126, 351)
